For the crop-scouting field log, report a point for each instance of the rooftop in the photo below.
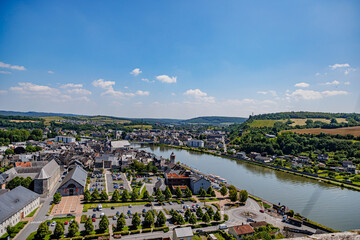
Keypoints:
(183, 232)
(243, 229)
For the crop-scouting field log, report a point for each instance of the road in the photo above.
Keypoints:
(40, 216)
(127, 184)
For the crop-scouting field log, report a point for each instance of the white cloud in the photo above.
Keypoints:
(332, 83)
(142, 93)
(33, 89)
(302, 85)
(103, 84)
(79, 91)
(272, 92)
(50, 72)
(145, 80)
(199, 95)
(14, 67)
(5, 72)
(72, 85)
(347, 83)
(3, 91)
(166, 79)
(337, 65)
(313, 95)
(317, 74)
(136, 72)
(173, 94)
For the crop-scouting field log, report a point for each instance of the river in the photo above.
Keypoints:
(323, 203)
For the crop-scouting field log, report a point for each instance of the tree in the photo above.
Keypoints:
(212, 193)
(202, 192)
(104, 224)
(158, 192)
(10, 230)
(89, 227)
(206, 218)
(187, 213)
(104, 196)
(59, 229)
(199, 213)
(178, 192)
(217, 216)
(116, 196)
(73, 228)
(210, 212)
(134, 196)
(188, 192)
(87, 196)
(57, 198)
(146, 194)
(161, 219)
(95, 195)
(120, 223)
(209, 190)
(149, 219)
(42, 231)
(136, 220)
(243, 196)
(226, 217)
(9, 152)
(125, 196)
(233, 194)
(168, 193)
(161, 198)
(291, 213)
(192, 219)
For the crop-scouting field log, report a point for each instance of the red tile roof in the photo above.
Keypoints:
(243, 229)
(23, 164)
(174, 175)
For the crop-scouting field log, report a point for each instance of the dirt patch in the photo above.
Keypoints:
(355, 131)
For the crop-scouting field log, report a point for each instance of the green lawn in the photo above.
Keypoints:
(110, 204)
(32, 213)
(17, 228)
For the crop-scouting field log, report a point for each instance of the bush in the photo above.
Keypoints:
(166, 229)
(95, 236)
(83, 218)
(122, 233)
(146, 230)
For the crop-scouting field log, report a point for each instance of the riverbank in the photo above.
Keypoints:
(276, 168)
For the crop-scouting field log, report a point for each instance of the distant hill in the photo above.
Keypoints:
(211, 120)
(304, 115)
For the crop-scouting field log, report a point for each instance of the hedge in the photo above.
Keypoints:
(135, 231)
(78, 237)
(122, 233)
(95, 236)
(146, 230)
(160, 228)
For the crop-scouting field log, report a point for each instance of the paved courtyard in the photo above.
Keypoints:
(70, 204)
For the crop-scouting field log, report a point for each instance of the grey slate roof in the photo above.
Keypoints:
(11, 202)
(48, 170)
(78, 174)
(183, 232)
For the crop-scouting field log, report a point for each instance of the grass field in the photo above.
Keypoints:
(342, 131)
(19, 121)
(264, 123)
(301, 122)
(139, 126)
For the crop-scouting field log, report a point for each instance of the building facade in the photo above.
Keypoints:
(74, 182)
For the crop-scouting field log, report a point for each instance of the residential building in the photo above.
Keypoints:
(241, 231)
(323, 157)
(197, 182)
(65, 139)
(15, 205)
(173, 179)
(195, 143)
(185, 233)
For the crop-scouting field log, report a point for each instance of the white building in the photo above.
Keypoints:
(195, 143)
(15, 205)
(65, 139)
(185, 233)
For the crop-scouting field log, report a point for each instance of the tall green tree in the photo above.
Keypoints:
(233, 195)
(210, 212)
(104, 224)
(202, 192)
(136, 220)
(149, 219)
(125, 196)
(134, 196)
(168, 193)
(199, 213)
(192, 219)
(116, 196)
(206, 218)
(87, 196)
(95, 195)
(57, 198)
(161, 219)
(120, 224)
(104, 196)
(89, 227)
(178, 192)
(42, 231)
(59, 230)
(217, 216)
(146, 194)
(243, 196)
(73, 228)
(188, 192)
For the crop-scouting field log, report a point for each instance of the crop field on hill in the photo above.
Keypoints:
(19, 121)
(264, 123)
(342, 131)
(301, 122)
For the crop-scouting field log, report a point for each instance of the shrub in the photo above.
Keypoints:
(95, 236)
(135, 231)
(146, 230)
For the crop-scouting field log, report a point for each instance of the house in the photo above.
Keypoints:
(185, 233)
(351, 169)
(65, 139)
(263, 159)
(123, 144)
(195, 143)
(347, 163)
(212, 237)
(74, 182)
(174, 179)
(241, 231)
(15, 205)
(197, 182)
(323, 157)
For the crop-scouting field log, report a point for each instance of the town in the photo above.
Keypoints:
(105, 189)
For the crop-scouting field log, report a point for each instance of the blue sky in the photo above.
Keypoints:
(179, 59)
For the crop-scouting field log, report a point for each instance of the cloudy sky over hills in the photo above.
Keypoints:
(179, 59)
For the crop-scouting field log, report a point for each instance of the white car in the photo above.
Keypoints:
(53, 223)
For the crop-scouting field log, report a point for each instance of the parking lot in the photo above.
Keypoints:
(97, 182)
(114, 181)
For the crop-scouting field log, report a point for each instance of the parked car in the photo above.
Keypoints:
(53, 223)
(66, 223)
(223, 226)
(114, 217)
(130, 206)
(250, 220)
(48, 223)
(199, 231)
(117, 213)
(144, 211)
(112, 207)
(102, 214)
(94, 219)
(261, 210)
(128, 212)
(94, 215)
(94, 210)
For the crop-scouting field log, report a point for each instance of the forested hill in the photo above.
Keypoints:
(215, 120)
(304, 115)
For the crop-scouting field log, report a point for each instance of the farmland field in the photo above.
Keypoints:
(342, 131)
(264, 123)
(301, 122)
(19, 121)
